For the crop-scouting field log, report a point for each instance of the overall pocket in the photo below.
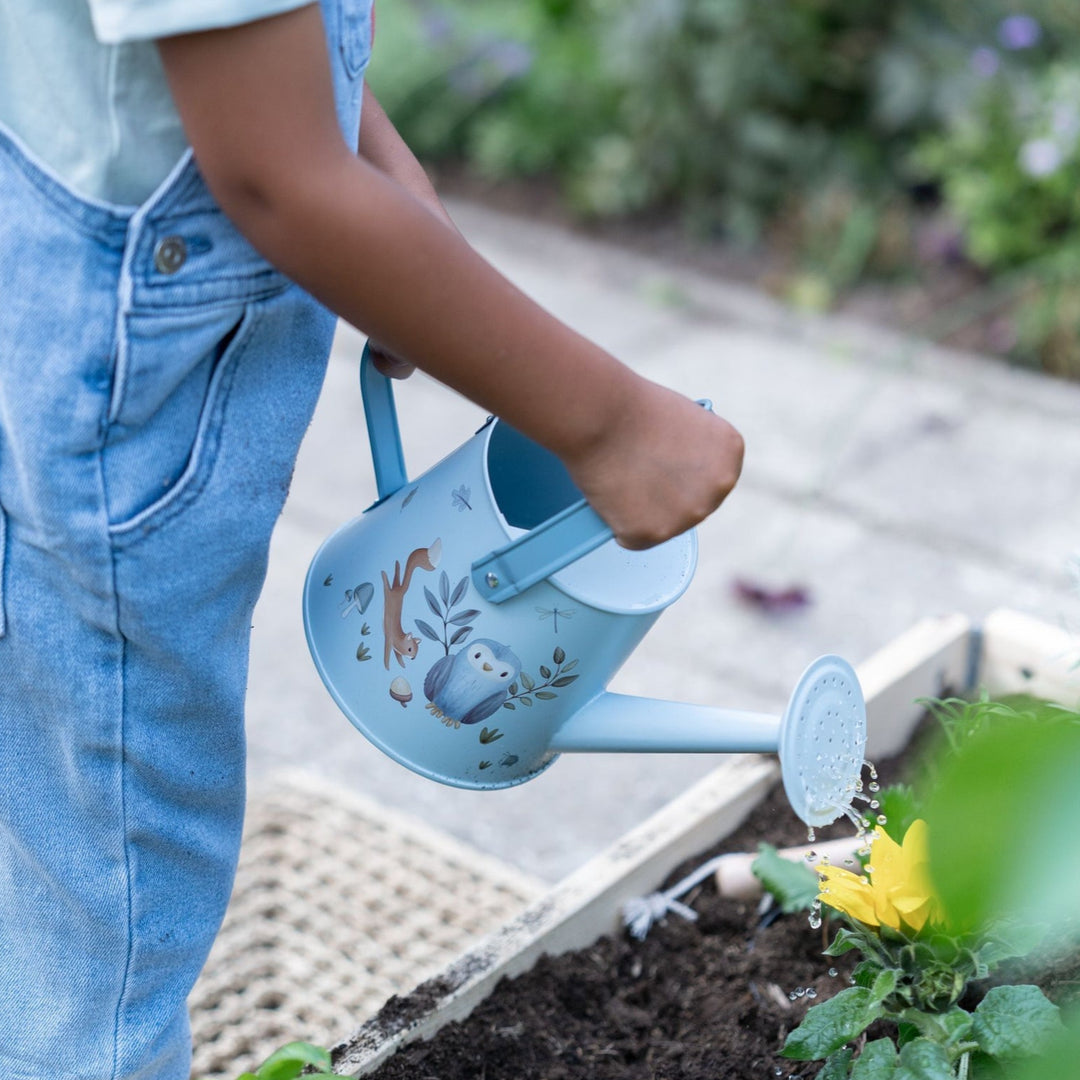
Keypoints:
(161, 445)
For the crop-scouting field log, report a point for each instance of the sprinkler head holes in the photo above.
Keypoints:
(823, 741)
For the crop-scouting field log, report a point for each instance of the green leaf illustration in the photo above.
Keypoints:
(558, 655)
(508, 705)
(527, 681)
(545, 672)
(444, 589)
(569, 667)
(432, 603)
(526, 701)
(566, 680)
(459, 591)
(546, 695)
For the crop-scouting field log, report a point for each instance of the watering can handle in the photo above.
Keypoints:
(506, 571)
(382, 426)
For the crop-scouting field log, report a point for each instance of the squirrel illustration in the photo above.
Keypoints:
(396, 639)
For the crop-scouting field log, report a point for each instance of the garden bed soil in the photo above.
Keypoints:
(695, 1000)
(712, 999)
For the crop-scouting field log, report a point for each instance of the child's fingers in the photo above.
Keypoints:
(388, 364)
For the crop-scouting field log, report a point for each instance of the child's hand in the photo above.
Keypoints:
(663, 465)
(386, 363)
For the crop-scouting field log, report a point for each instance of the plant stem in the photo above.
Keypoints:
(965, 1061)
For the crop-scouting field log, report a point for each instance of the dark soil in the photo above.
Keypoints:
(704, 1000)
(707, 1000)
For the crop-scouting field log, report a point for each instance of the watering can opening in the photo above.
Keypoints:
(529, 485)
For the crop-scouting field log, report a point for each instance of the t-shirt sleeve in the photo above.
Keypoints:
(116, 21)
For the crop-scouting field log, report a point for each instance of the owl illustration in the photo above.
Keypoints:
(470, 685)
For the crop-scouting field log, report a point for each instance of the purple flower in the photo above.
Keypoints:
(1019, 32)
(985, 61)
(1040, 157)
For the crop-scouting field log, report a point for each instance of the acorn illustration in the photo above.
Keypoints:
(400, 690)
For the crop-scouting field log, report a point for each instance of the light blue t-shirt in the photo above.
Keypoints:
(82, 87)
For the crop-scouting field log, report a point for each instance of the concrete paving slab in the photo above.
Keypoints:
(893, 479)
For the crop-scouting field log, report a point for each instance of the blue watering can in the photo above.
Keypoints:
(469, 621)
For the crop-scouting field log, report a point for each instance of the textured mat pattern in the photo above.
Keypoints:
(338, 904)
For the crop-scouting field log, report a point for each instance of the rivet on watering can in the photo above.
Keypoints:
(492, 581)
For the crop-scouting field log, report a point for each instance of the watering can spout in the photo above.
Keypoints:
(820, 739)
(621, 723)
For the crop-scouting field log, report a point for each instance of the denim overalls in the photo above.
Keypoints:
(156, 377)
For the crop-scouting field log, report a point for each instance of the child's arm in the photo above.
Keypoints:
(257, 104)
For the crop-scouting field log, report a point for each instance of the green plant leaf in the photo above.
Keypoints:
(884, 984)
(836, 1065)
(946, 1028)
(828, 1026)
(922, 1059)
(876, 1062)
(527, 681)
(1057, 1060)
(793, 884)
(288, 1062)
(1009, 850)
(1015, 1022)
(845, 941)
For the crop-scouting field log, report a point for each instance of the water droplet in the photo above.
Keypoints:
(874, 804)
(882, 819)
(810, 834)
(868, 868)
(777, 1071)
(811, 992)
(810, 856)
(874, 785)
(833, 973)
(815, 921)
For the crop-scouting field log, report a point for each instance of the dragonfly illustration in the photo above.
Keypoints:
(555, 614)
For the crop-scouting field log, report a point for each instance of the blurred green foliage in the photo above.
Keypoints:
(818, 124)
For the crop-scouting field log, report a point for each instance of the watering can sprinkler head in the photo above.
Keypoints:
(468, 623)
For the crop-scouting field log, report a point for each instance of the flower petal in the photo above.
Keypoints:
(847, 893)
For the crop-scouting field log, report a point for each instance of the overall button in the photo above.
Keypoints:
(170, 254)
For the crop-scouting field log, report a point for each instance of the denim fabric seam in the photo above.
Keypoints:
(199, 470)
(130, 953)
(3, 569)
(60, 199)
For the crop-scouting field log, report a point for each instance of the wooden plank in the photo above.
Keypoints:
(1023, 655)
(931, 659)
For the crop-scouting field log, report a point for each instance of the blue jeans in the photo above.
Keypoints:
(156, 377)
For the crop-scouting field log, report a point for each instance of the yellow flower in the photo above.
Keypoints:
(896, 891)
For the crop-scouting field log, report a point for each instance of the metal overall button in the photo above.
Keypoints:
(170, 254)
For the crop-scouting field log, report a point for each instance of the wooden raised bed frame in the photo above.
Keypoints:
(1008, 653)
